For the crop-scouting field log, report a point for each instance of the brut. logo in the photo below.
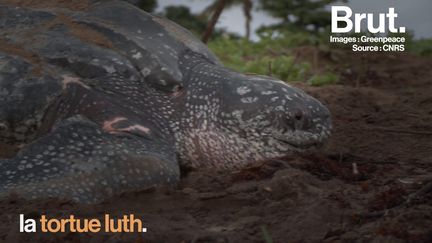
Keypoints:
(341, 16)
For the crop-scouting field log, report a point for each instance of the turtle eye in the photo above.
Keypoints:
(177, 91)
(177, 88)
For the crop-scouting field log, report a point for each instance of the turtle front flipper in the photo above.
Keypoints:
(80, 161)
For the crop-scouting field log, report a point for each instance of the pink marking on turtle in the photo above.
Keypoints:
(72, 80)
(108, 126)
(135, 127)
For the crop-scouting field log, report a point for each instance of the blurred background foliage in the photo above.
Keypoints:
(300, 23)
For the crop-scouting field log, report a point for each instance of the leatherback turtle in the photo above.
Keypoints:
(107, 98)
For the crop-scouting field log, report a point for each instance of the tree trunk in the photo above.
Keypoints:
(247, 8)
(210, 26)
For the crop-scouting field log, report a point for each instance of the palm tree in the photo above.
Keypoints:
(247, 11)
(217, 7)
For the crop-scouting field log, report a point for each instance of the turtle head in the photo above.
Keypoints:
(282, 117)
(230, 119)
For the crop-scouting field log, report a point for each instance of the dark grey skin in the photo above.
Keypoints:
(123, 111)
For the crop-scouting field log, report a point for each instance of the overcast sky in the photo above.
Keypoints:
(415, 15)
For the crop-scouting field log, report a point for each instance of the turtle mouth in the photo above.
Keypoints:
(299, 145)
(302, 141)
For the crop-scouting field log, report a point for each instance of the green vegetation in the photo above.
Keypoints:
(323, 79)
(266, 235)
(422, 47)
(272, 56)
(259, 58)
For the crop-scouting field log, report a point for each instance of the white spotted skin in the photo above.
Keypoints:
(249, 99)
(242, 90)
(206, 147)
(232, 120)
